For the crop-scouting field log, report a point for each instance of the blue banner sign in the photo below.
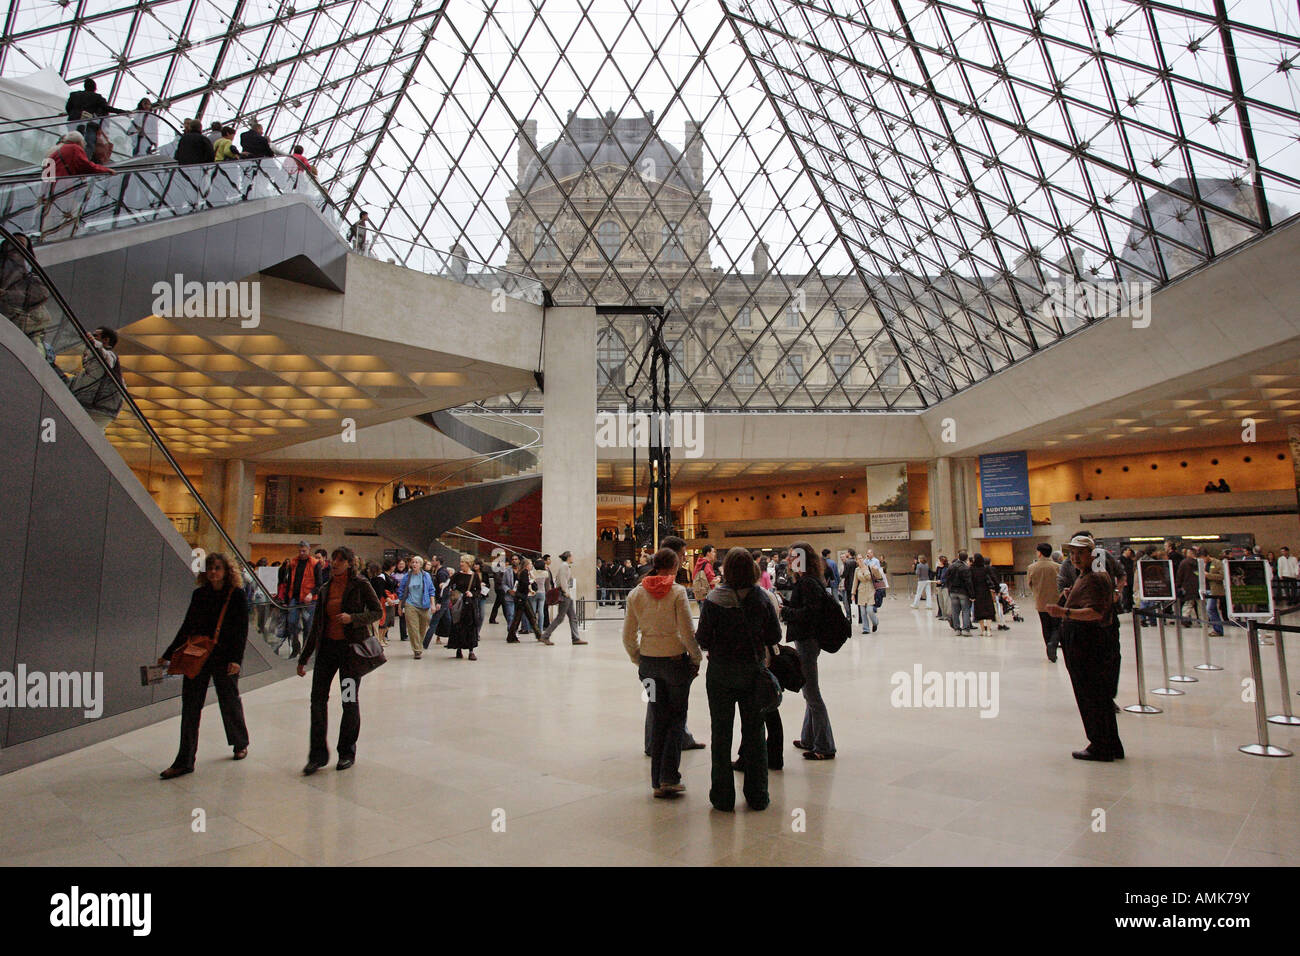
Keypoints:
(1004, 491)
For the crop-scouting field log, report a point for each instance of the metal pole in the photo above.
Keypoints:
(1181, 677)
(1165, 690)
(1262, 748)
(1209, 665)
(1286, 717)
(1141, 707)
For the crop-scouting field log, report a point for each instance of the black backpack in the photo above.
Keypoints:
(833, 628)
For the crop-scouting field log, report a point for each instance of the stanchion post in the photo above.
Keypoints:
(1261, 748)
(1209, 664)
(1182, 677)
(1286, 717)
(1165, 690)
(1141, 707)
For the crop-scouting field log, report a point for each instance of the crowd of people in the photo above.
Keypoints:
(678, 612)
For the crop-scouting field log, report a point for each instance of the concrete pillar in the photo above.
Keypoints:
(965, 495)
(941, 508)
(213, 490)
(569, 450)
(237, 502)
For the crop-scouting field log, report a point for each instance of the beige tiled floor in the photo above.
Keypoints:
(548, 740)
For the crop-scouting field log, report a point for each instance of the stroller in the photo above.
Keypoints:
(1006, 606)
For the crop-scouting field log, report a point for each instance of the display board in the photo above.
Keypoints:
(887, 502)
(1248, 586)
(1155, 580)
(1004, 495)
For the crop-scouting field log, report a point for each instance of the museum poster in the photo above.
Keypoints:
(1246, 586)
(887, 502)
(1004, 494)
(1155, 580)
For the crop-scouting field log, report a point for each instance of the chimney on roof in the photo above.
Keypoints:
(527, 148)
(694, 151)
(760, 259)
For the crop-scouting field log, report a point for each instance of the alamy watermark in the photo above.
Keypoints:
(1084, 300)
(946, 689)
(84, 689)
(212, 300)
(623, 429)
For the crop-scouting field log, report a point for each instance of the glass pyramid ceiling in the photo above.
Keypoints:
(846, 204)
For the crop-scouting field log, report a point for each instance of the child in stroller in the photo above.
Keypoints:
(1006, 606)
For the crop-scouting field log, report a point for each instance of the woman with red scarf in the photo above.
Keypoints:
(660, 640)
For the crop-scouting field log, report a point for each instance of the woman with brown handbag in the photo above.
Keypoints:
(210, 647)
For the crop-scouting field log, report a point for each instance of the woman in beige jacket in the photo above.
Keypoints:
(660, 640)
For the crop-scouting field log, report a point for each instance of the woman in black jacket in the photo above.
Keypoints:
(985, 584)
(800, 614)
(218, 608)
(463, 633)
(346, 606)
(738, 629)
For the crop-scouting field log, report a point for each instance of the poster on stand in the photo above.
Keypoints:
(1004, 495)
(1155, 580)
(887, 502)
(1248, 586)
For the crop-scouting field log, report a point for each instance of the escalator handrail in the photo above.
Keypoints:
(128, 400)
(319, 194)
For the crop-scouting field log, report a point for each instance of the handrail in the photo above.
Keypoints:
(129, 132)
(457, 467)
(161, 190)
(80, 205)
(456, 264)
(246, 567)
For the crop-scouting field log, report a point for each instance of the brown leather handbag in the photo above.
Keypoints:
(194, 653)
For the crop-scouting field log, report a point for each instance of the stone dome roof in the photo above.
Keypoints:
(596, 141)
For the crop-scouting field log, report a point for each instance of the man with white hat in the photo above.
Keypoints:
(1091, 646)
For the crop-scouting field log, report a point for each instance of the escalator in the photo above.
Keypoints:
(504, 472)
(103, 576)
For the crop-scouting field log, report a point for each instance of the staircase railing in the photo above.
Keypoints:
(434, 479)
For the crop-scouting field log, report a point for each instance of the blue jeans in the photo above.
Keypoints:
(816, 731)
(1212, 616)
(672, 677)
(867, 612)
(1147, 606)
(442, 612)
(537, 602)
(298, 616)
(961, 611)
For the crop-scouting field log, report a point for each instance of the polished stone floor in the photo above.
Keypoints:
(532, 755)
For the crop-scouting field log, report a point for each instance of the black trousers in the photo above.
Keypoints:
(194, 693)
(1051, 632)
(497, 605)
(523, 609)
(334, 657)
(775, 740)
(1092, 658)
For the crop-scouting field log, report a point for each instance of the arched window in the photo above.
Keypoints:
(544, 249)
(674, 242)
(610, 237)
(611, 358)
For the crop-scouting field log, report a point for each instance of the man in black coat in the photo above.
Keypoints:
(254, 144)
